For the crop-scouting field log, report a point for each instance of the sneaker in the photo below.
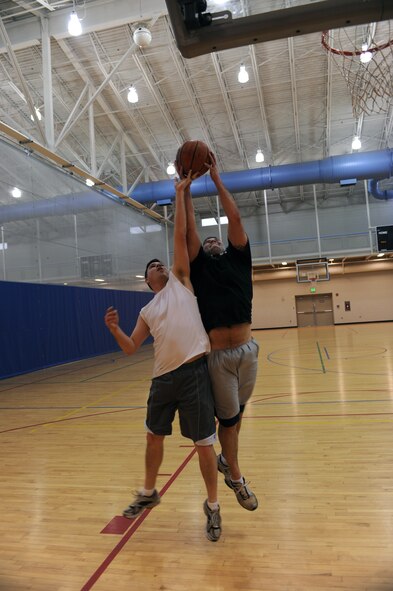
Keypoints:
(213, 525)
(223, 468)
(141, 503)
(244, 495)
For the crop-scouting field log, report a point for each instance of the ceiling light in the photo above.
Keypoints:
(171, 169)
(365, 56)
(74, 25)
(213, 221)
(356, 143)
(16, 193)
(99, 280)
(259, 157)
(38, 114)
(331, 260)
(243, 76)
(142, 36)
(140, 276)
(381, 254)
(132, 95)
(90, 183)
(284, 263)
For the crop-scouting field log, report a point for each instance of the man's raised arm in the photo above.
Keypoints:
(236, 232)
(181, 261)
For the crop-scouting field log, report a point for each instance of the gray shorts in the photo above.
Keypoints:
(233, 374)
(188, 390)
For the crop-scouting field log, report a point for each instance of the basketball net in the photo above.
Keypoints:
(364, 56)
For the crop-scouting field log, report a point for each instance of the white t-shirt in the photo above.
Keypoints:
(175, 323)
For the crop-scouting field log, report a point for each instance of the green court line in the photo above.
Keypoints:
(320, 357)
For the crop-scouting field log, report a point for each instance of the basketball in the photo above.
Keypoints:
(193, 155)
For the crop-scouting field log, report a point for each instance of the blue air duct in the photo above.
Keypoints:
(365, 165)
(61, 205)
(373, 188)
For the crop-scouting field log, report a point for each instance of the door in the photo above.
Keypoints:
(314, 310)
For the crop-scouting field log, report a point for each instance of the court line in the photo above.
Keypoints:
(320, 358)
(68, 407)
(94, 403)
(283, 394)
(96, 414)
(259, 403)
(66, 373)
(325, 402)
(344, 414)
(112, 555)
(139, 408)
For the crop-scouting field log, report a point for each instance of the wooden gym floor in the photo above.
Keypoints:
(316, 444)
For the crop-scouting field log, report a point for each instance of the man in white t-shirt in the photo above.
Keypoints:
(180, 375)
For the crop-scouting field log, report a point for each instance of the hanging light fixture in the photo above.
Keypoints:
(38, 114)
(356, 143)
(74, 25)
(259, 157)
(243, 76)
(171, 169)
(89, 183)
(16, 193)
(366, 56)
(132, 95)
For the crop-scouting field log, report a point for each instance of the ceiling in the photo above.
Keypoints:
(296, 106)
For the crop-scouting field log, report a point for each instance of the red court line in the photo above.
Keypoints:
(117, 525)
(104, 565)
(97, 414)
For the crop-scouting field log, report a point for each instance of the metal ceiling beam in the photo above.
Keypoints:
(95, 95)
(329, 90)
(98, 16)
(47, 84)
(229, 107)
(102, 102)
(189, 89)
(262, 110)
(159, 100)
(22, 80)
(124, 105)
(292, 68)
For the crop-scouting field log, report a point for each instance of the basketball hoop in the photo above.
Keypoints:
(364, 56)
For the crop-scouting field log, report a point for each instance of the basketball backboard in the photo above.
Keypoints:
(311, 270)
(198, 32)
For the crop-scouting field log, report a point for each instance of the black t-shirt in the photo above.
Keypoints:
(223, 286)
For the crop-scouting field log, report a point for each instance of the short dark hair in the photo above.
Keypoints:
(149, 263)
(209, 238)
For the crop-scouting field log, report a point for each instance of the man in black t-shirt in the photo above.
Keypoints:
(223, 286)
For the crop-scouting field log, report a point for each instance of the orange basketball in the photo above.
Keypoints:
(193, 155)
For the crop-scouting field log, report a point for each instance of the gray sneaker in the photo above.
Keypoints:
(213, 525)
(245, 496)
(141, 502)
(223, 468)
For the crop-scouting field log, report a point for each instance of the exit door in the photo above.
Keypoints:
(314, 310)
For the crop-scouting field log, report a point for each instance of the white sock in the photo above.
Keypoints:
(147, 492)
(224, 460)
(213, 506)
(240, 481)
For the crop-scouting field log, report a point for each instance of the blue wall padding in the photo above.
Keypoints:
(45, 325)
